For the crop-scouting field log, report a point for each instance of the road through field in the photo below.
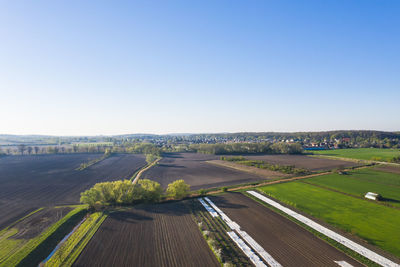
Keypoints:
(288, 243)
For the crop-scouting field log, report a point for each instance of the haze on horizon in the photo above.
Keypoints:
(120, 67)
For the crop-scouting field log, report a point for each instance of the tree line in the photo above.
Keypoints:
(248, 148)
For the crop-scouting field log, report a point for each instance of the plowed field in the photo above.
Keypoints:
(31, 182)
(194, 169)
(148, 235)
(287, 242)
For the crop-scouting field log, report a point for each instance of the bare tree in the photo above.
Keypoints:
(29, 150)
(36, 148)
(21, 148)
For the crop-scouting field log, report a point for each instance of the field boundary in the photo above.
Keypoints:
(248, 169)
(85, 165)
(136, 176)
(356, 160)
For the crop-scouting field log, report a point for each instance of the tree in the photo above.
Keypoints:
(36, 149)
(21, 148)
(178, 189)
(152, 190)
(150, 158)
(29, 150)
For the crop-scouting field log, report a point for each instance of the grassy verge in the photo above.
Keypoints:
(377, 224)
(287, 169)
(34, 250)
(69, 251)
(330, 241)
(86, 165)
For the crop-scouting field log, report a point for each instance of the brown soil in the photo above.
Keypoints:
(148, 235)
(35, 224)
(194, 169)
(303, 161)
(31, 182)
(287, 242)
(265, 173)
(388, 168)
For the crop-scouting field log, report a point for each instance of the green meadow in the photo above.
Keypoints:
(377, 224)
(378, 154)
(361, 181)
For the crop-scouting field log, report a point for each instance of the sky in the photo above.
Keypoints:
(117, 67)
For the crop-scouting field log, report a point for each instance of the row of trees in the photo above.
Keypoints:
(248, 148)
(125, 192)
(140, 148)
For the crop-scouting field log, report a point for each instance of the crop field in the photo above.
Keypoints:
(377, 224)
(288, 243)
(29, 240)
(32, 182)
(148, 235)
(303, 161)
(379, 154)
(194, 169)
(359, 182)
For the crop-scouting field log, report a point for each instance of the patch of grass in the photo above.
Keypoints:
(376, 224)
(32, 251)
(361, 181)
(73, 246)
(376, 154)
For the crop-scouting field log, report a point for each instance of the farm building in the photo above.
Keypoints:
(373, 196)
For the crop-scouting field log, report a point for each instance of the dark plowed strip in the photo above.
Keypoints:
(149, 235)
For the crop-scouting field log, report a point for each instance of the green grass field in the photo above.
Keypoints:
(377, 224)
(378, 154)
(361, 181)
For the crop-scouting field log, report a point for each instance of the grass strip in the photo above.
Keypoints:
(73, 246)
(36, 249)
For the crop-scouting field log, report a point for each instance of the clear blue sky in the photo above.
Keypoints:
(114, 67)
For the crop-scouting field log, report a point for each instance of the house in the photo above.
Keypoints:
(372, 196)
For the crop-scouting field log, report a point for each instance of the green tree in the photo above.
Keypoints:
(178, 189)
(150, 158)
(152, 191)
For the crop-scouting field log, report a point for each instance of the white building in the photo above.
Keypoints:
(373, 196)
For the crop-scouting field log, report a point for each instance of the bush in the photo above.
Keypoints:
(224, 189)
(178, 189)
(202, 192)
